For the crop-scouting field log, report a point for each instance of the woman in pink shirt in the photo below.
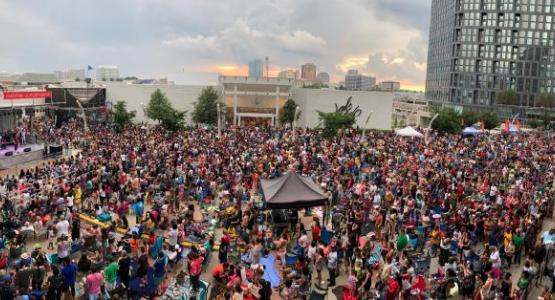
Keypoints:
(94, 281)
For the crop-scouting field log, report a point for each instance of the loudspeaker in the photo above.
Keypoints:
(9, 153)
(28, 149)
(3, 147)
(55, 149)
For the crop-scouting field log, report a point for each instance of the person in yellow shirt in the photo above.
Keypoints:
(78, 193)
(507, 237)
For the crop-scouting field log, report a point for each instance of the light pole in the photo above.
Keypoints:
(430, 127)
(297, 108)
(366, 125)
(219, 121)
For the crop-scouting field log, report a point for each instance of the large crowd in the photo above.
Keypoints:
(141, 212)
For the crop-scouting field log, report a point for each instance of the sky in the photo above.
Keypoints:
(192, 41)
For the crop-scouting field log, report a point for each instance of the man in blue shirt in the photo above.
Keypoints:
(159, 269)
(69, 271)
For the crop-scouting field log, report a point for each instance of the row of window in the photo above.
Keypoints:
(507, 5)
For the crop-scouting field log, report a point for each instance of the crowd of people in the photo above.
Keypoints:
(165, 202)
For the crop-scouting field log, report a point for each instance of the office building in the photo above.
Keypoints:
(107, 73)
(308, 72)
(256, 68)
(389, 86)
(354, 81)
(480, 47)
(72, 74)
(324, 78)
(289, 74)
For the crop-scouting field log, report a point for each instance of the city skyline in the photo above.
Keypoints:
(174, 39)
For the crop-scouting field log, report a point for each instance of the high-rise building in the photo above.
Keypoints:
(73, 74)
(480, 47)
(354, 81)
(389, 85)
(256, 68)
(308, 72)
(324, 78)
(105, 73)
(289, 74)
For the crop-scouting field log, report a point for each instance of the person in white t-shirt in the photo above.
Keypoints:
(62, 228)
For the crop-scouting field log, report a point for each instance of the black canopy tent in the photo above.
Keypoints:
(292, 191)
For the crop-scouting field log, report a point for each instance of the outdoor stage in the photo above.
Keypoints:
(20, 157)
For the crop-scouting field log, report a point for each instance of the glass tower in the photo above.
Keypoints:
(480, 47)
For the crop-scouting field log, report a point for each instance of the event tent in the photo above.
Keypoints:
(292, 191)
(408, 131)
(471, 131)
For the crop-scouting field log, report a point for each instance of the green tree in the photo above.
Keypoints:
(287, 114)
(206, 107)
(507, 97)
(160, 109)
(534, 123)
(545, 100)
(448, 120)
(469, 118)
(120, 115)
(490, 119)
(158, 106)
(335, 120)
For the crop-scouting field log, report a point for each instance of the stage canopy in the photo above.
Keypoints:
(292, 191)
(471, 131)
(408, 131)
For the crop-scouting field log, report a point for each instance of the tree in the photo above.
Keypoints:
(334, 121)
(158, 106)
(206, 107)
(534, 123)
(490, 120)
(546, 120)
(287, 114)
(469, 118)
(546, 100)
(120, 115)
(448, 120)
(343, 117)
(507, 97)
(160, 109)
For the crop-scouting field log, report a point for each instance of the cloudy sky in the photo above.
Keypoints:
(191, 41)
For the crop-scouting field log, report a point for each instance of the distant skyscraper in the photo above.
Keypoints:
(324, 78)
(389, 85)
(308, 72)
(107, 73)
(355, 81)
(72, 74)
(289, 74)
(256, 68)
(478, 48)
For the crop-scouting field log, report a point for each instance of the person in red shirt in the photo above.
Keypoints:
(316, 230)
(196, 269)
(219, 271)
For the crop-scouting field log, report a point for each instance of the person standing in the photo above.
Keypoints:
(159, 269)
(110, 273)
(93, 282)
(69, 271)
(332, 265)
(196, 270)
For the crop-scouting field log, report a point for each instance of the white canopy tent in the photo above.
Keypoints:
(409, 132)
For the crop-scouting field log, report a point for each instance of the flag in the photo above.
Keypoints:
(517, 124)
(482, 125)
(507, 125)
(89, 67)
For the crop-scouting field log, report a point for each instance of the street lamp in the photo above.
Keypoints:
(430, 127)
(366, 125)
(297, 108)
(219, 121)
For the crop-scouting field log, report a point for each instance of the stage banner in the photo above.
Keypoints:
(27, 95)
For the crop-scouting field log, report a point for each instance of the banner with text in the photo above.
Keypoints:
(27, 95)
